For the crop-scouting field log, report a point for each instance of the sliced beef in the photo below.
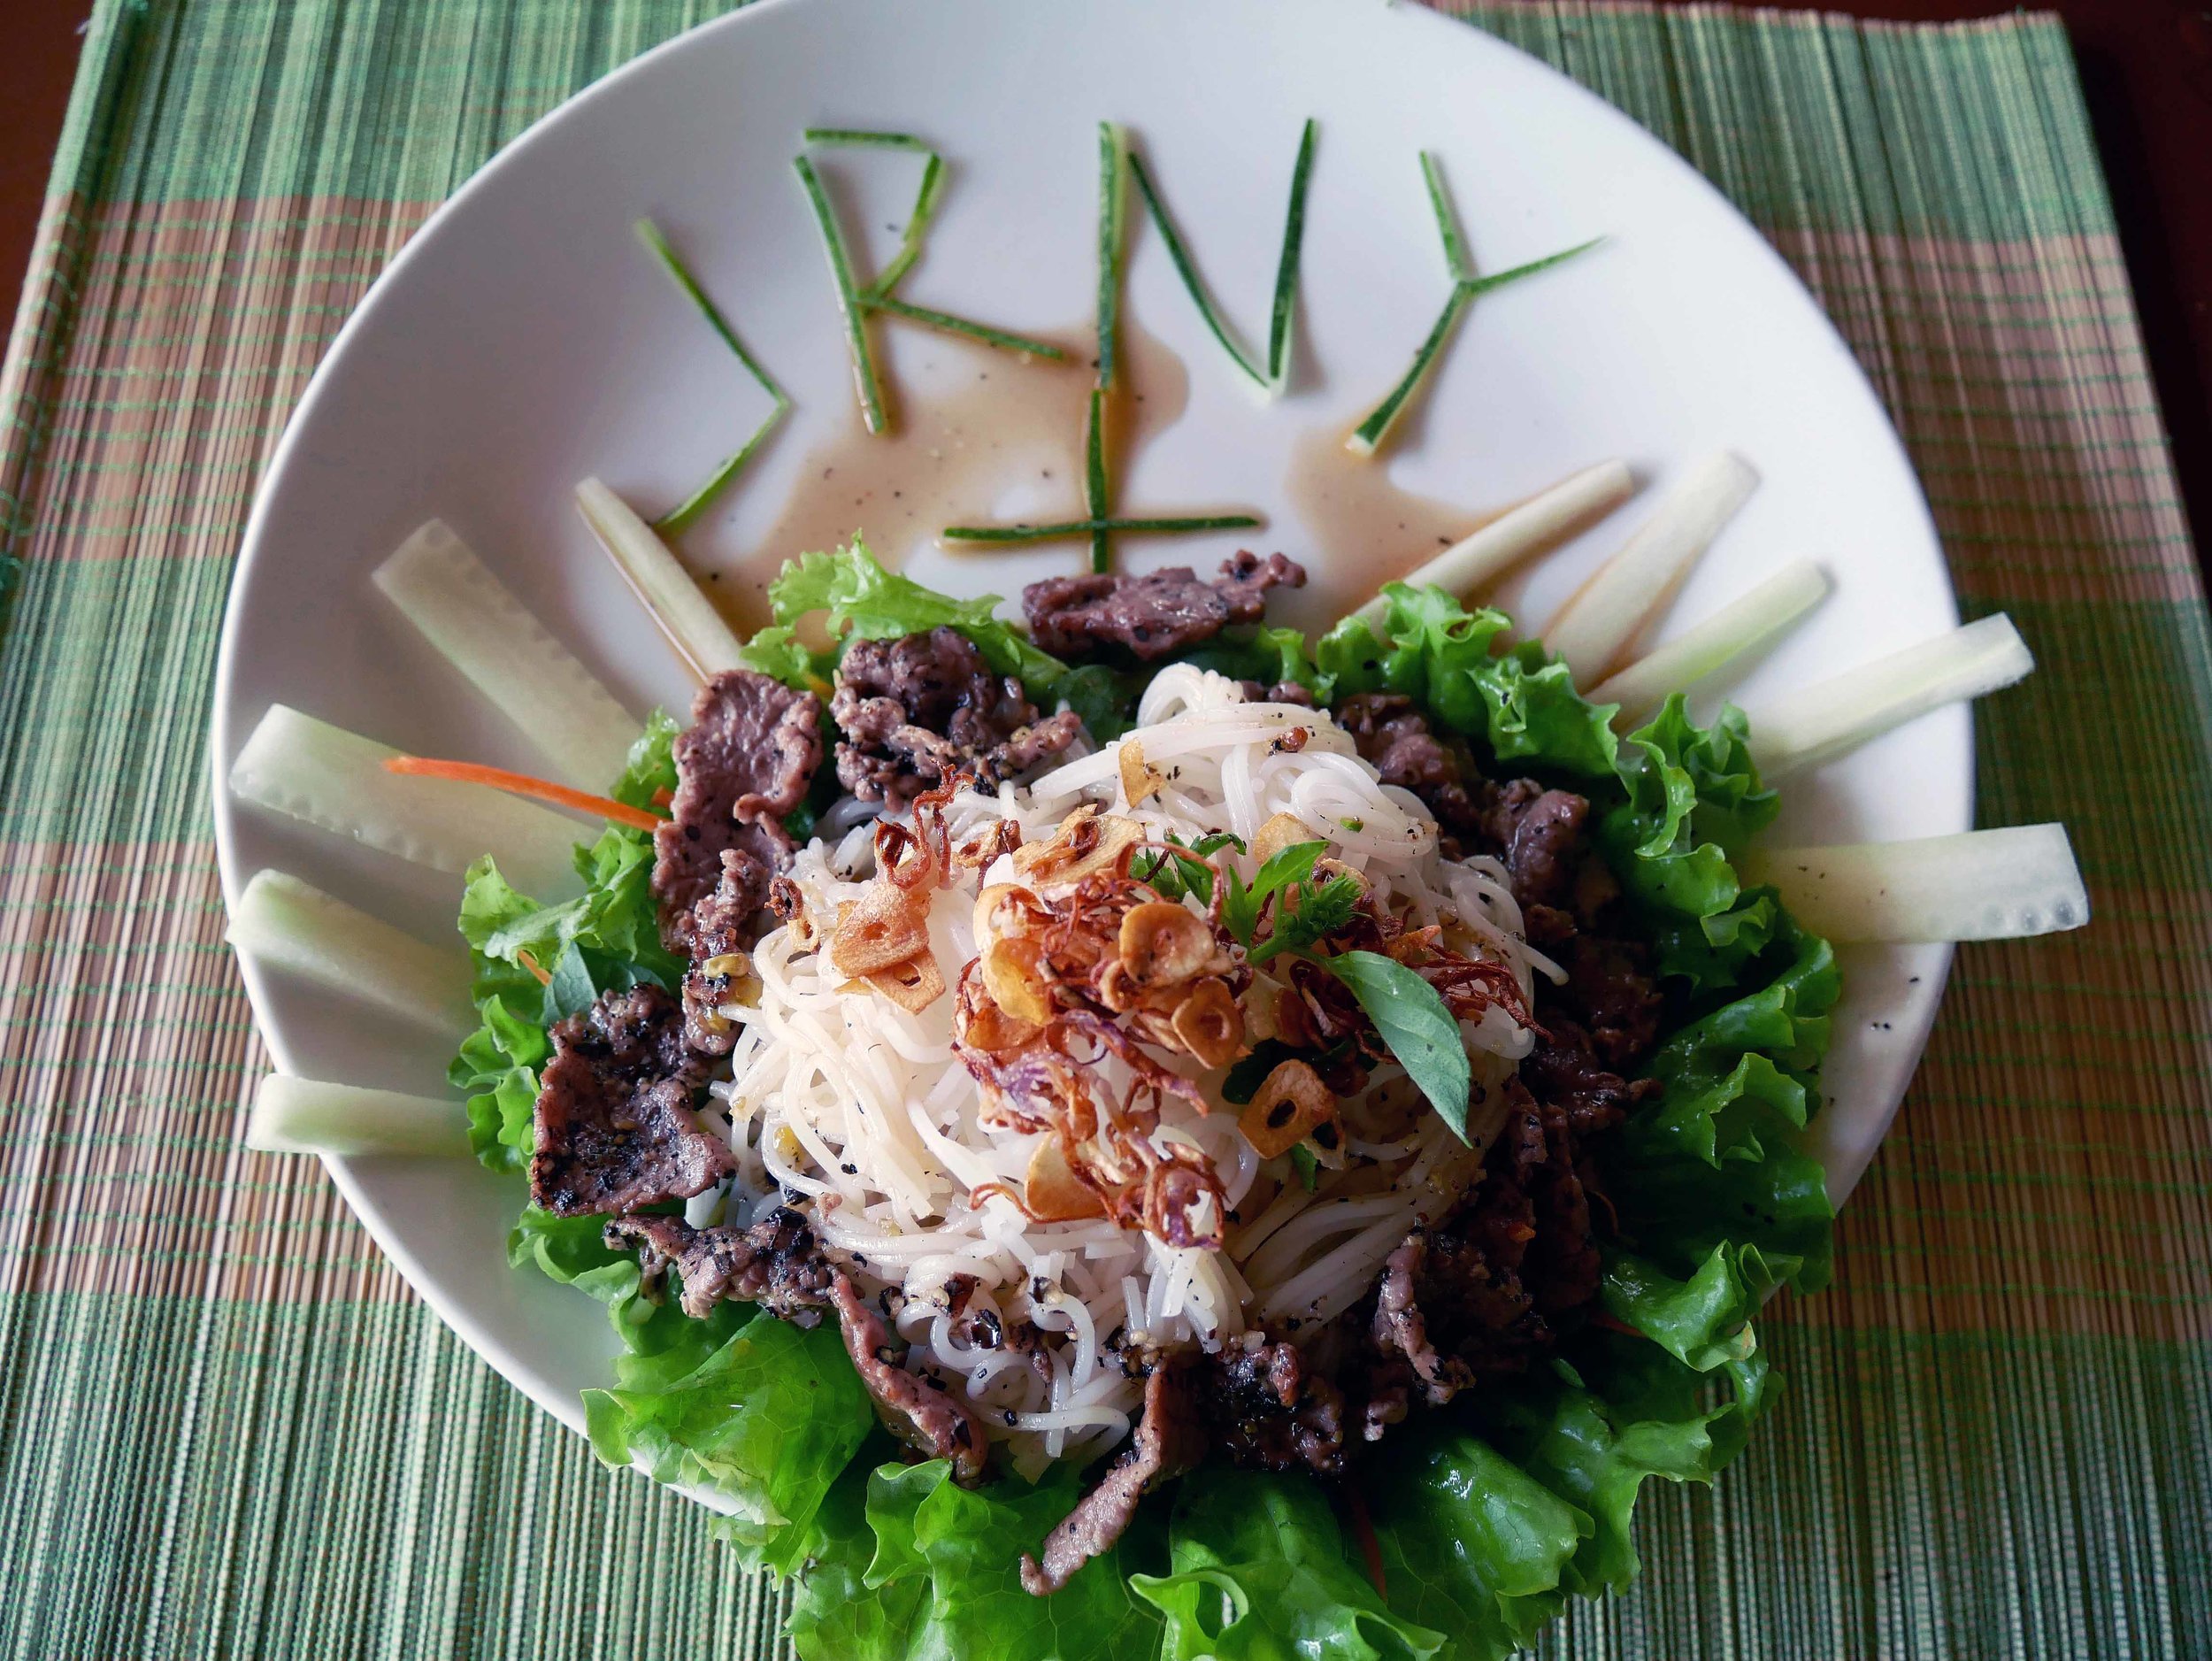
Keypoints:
(721, 925)
(916, 1411)
(1152, 616)
(1537, 834)
(777, 1263)
(1488, 1289)
(1610, 992)
(1565, 1073)
(1166, 1443)
(615, 1129)
(1281, 692)
(1265, 1406)
(917, 709)
(745, 761)
(1394, 738)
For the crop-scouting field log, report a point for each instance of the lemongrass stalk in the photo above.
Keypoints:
(337, 780)
(295, 929)
(693, 626)
(1982, 884)
(308, 1116)
(476, 623)
(1741, 626)
(1475, 562)
(1600, 620)
(1817, 723)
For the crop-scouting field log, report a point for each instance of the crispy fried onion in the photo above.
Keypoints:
(881, 941)
(1085, 962)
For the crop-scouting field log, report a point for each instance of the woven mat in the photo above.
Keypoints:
(228, 1428)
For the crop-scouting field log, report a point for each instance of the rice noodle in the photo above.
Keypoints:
(861, 1111)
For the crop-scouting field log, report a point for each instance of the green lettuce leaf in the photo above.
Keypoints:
(1248, 651)
(1260, 1573)
(948, 1558)
(753, 1409)
(1655, 1416)
(652, 763)
(1519, 705)
(778, 652)
(570, 1249)
(1103, 699)
(836, 1615)
(1711, 953)
(498, 1070)
(1472, 1544)
(865, 602)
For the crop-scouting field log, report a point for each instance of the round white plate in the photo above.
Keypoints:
(524, 341)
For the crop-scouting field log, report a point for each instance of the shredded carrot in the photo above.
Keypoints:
(522, 784)
(1370, 1548)
(664, 797)
(530, 964)
(1612, 1323)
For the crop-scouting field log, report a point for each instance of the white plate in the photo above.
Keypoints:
(524, 340)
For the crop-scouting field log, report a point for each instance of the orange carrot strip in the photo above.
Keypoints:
(522, 784)
(530, 964)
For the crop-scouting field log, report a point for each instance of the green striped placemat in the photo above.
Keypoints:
(226, 1426)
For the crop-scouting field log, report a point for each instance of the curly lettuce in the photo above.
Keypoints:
(860, 600)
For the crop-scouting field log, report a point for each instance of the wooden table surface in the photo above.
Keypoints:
(2145, 65)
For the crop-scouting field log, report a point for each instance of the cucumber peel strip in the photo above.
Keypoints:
(1369, 435)
(690, 508)
(309, 1116)
(1271, 380)
(1099, 523)
(856, 301)
(1113, 198)
(1064, 529)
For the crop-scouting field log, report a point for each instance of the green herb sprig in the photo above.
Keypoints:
(856, 301)
(1409, 1013)
(689, 509)
(1372, 431)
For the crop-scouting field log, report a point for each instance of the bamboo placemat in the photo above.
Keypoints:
(227, 1428)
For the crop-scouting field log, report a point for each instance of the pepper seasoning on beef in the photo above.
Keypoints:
(919, 709)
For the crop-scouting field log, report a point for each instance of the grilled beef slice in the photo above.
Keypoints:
(614, 1124)
(776, 1264)
(745, 761)
(918, 1413)
(1150, 616)
(1165, 1443)
(917, 709)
